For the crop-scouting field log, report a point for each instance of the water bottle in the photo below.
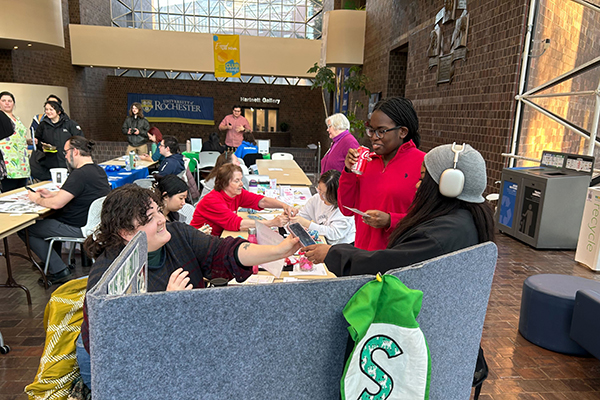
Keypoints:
(127, 164)
(131, 160)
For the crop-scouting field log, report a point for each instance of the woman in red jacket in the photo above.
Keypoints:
(219, 207)
(387, 187)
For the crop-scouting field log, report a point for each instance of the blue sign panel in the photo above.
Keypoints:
(507, 207)
(173, 108)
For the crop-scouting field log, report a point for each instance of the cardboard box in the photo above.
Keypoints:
(588, 250)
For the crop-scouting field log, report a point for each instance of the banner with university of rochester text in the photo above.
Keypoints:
(174, 108)
(227, 56)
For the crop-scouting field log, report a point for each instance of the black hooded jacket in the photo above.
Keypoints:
(55, 134)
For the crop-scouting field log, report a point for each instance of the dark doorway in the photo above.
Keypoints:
(397, 71)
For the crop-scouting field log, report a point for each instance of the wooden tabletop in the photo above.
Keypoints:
(287, 172)
(11, 223)
(120, 161)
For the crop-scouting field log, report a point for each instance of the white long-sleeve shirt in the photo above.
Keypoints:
(328, 221)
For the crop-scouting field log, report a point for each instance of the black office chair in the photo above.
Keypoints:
(250, 159)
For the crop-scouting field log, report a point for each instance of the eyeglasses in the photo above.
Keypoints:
(379, 133)
(65, 152)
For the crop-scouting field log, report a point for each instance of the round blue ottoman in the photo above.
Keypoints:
(547, 309)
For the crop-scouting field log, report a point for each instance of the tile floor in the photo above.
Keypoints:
(518, 369)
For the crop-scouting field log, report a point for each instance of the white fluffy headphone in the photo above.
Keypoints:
(452, 180)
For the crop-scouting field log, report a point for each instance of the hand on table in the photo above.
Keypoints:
(179, 281)
(377, 219)
(316, 253)
(145, 157)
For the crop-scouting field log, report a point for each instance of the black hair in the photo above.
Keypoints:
(236, 106)
(401, 111)
(56, 105)
(53, 96)
(123, 210)
(169, 185)
(85, 146)
(429, 203)
(171, 143)
(8, 94)
(331, 179)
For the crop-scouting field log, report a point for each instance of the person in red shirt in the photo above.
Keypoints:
(387, 187)
(235, 125)
(218, 208)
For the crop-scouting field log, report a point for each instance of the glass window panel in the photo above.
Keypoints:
(249, 115)
(272, 120)
(260, 119)
(184, 15)
(257, 79)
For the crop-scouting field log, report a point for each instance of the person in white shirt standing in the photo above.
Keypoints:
(321, 212)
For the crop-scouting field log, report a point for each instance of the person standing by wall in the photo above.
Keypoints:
(50, 137)
(39, 117)
(14, 147)
(136, 128)
(235, 125)
(337, 127)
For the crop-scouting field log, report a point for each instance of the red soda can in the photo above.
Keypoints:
(363, 159)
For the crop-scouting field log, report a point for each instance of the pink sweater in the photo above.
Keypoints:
(390, 189)
(218, 210)
(335, 156)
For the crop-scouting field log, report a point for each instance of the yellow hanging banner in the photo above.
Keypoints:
(227, 56)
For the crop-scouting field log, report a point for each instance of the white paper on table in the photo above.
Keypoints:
(274, 267)
(319, 269)
(254, 280)
(269, 216)
(265, 235)
(291, 279)
(275, 169)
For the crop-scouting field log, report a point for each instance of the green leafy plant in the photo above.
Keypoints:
(325, 79)
(284, 127)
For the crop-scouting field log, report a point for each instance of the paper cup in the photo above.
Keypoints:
(59, 175)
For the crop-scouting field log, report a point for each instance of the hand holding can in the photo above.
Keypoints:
(364, 156)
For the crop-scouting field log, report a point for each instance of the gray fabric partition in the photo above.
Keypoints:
(277, 341)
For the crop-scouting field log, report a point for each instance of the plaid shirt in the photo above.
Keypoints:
(202, 255)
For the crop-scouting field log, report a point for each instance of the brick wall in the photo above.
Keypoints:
(86, 85)
(478, 106)
(300, 107)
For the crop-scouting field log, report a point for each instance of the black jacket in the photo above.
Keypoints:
(57, 135)
(139, 123)
(430, 239)
(213, 144)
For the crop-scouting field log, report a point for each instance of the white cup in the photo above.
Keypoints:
(59, 175)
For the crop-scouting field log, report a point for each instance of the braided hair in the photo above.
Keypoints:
(401, 111)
